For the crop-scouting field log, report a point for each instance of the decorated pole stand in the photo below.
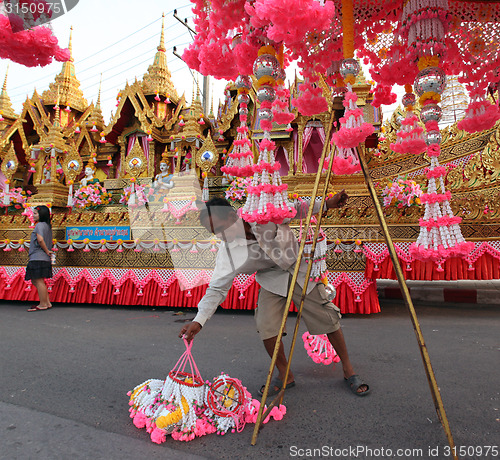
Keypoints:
(279, 397)
(431, 378)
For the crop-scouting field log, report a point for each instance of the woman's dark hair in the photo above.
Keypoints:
(219, 206)
(43, 214)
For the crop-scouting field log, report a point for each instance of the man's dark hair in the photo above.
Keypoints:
(43, 214)
(218, 206)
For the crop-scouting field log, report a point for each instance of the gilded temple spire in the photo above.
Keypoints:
(5, 102)
(158, 78)
(67, 84)
(96, 115)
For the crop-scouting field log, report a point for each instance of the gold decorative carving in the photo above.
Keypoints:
(10, 163)
(207, 156)
(135, 162)
(72, 165)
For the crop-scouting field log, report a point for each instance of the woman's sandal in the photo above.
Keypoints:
(37, 308)
(354, 382)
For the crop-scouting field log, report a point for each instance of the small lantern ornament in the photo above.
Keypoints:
(72, 167)
(8, 168)
(410, 137)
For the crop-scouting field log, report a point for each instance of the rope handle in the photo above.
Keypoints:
(185, 360)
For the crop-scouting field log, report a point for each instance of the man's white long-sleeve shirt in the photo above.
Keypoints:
(243, 256)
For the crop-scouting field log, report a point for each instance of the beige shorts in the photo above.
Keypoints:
(320, 315)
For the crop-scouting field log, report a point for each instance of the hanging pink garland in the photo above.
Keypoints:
(34, 47)
(267, 199)
(240, 161)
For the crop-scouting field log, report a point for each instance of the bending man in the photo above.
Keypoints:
(270, 251)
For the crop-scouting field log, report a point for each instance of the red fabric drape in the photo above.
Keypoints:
(152, 295)
(486, 267)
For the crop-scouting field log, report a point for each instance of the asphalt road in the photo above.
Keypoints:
(64, 375)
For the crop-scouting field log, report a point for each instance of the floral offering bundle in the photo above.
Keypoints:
(237, 189)
(140, 195)
(91, 196)
(401, 193)
(184, 406)
(17, 197)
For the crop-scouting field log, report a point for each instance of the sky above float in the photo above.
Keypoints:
(118, 40)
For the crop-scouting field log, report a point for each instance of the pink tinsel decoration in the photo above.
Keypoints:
(291, 22)
(480, 115)
(35, 47)
(266, 197)
(383, 95)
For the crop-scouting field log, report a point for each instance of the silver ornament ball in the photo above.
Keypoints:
(349, 67)
(266, 65)
(265, 114)
(409, 99)
(243, 111)
(431, 112)
(243, 81)
(266, 93)
(430, 79)
(243, 98)
(432, 137)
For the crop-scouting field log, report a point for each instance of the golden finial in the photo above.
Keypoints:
(211, 115)
(99, 94)
(5, 103)
(162, 38)
(4, 88)
(197, 88)
(57, 120)
(70, 45)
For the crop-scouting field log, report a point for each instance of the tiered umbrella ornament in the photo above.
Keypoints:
(353, 129)
(410, 137)
(440, 235)
(240, 159)
(267, 199)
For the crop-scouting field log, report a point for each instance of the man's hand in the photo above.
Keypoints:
(190, 330)
(338, 200)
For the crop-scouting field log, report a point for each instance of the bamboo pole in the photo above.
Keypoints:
(436, 395)
(261, 415)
